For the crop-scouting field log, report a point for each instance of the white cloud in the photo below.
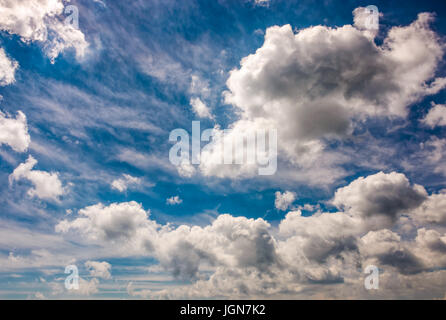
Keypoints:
(433, 210)
(380, 198)
(436, 116)
(14, 132)
(122, 184)
(284, 200)
(385, 248)
(317, 84)
(65, 36)
(125, 223)
(8, 68)
(199, 86)
(186, 169)
(431, 156)
(87, 287)
(42, 21)
(39, 296)
(164, 69)
(263, 3)
(174, 200)
(200, 108)
(46, 185)
(99, 269)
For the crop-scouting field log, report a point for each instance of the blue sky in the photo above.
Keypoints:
(94, 115)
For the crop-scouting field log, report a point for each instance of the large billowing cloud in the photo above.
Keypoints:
(315, 84)
(42, 21)
(14, 132)
(179, 250)
(239, 257)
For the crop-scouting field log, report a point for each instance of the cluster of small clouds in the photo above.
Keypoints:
(284, 200)
(200, 92)
(14, 133)
(174, 200)
(87, 285)
(38, 21)
(383, 219)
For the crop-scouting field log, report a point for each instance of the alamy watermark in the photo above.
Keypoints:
(372, 19)
(73, 16)
(371, 282)
(257, 147)
(72, 280)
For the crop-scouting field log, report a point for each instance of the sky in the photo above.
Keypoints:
(92, 92)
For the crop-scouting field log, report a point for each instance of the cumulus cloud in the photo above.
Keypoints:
(87, 287)
(230, 241)
(380, 197)
(174, 200)
(238, 257)
(313, 244)
(45, 185)
(99, 269)
(433, 210)
(14, 132)
(119, 222)
(315, 84)
(8, 68)
(387, 249)
(123, 183)
(436, 116)
(284, 200)
(42, 21)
